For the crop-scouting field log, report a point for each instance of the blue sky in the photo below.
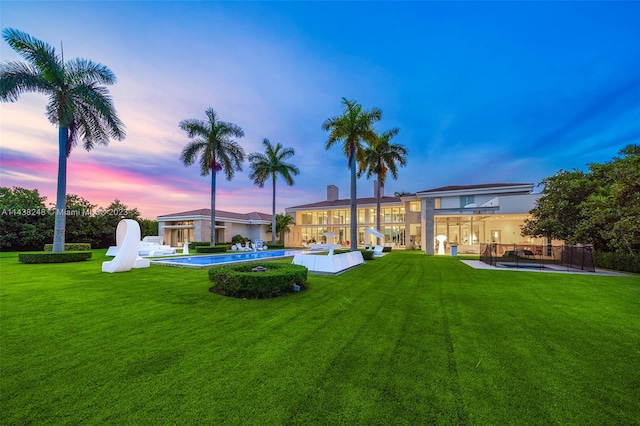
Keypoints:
(481, 91)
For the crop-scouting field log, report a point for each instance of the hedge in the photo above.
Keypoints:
(386, 249)
(70, 247)
(194, 244)
(47, 257)
(367, 254)
(209, 249)
(617, 261)
(243, 282)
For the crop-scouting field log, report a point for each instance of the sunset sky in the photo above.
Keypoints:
(481, 91)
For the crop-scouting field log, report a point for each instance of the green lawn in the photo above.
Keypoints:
(404, 339)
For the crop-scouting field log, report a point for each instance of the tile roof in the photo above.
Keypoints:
(347, 201)
(468, 187)
(222, 214)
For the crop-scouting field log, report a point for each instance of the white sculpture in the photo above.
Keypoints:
(441, 239)
(128, 243)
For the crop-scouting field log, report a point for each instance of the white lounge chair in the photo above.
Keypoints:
(377, 251)
(234, 247)
(247, 246)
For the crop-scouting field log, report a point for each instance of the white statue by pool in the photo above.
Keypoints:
(441, 239)
(128, 243)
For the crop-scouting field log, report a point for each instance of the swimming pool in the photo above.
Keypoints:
(522, 266)
(204, 261)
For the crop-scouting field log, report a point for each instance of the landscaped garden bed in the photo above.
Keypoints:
(258, 281)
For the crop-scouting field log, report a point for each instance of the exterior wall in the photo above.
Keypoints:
(513, 204)
(438, 213)
(313, 223)
(200, 230)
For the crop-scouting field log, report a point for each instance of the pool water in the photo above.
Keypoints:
(218, 259)
(522, 266)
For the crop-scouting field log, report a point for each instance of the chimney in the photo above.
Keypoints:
(375, 189)
(332, 193)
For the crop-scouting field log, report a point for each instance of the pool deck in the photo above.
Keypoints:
(476, 264)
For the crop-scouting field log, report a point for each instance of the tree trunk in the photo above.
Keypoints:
(354, 205)
(273, 213)
(61, 192)
(378, 211)
(212, 235)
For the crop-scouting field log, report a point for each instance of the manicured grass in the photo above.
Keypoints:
(403, 339)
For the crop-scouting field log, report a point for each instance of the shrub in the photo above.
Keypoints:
(238, 239)
(617, 261)
(274, 246)
(240, 280)
(367, 254)
(70, 247)
(47, 257)
(194, 244)
(209, 249)
(386, 249)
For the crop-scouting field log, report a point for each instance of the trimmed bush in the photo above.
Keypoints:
(617, 261)
(194, 244)
(386, 249)
(367, 254)
(209, 249)
(273, 246)
(242, 282)
(70, 247)
(47, 257)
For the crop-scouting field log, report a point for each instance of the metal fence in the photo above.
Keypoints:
(537, 256)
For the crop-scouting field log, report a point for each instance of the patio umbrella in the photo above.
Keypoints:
(330, 234)
(374, 232)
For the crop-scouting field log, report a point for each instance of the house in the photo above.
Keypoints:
(195, 225)
(466, 214)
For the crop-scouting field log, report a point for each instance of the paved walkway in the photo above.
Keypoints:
(476, 264)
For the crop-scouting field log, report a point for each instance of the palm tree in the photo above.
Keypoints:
(380, 157)
(282, 225)
(212, 141)
(270, 165)
(79, 103)
(352, 127)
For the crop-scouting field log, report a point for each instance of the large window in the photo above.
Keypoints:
(362, 213)
(466, 200)
(415, 206)
(340, 217)
(394, 234)
(305, 218)
(393, 214)
(313, 234)
(314, 217)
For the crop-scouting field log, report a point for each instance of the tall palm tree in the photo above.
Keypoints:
(352, 127)
(380, 157)
(212, 141)
(79, 103)
(269, 165)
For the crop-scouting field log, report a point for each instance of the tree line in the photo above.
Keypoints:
(600, 206)
(27, 223)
